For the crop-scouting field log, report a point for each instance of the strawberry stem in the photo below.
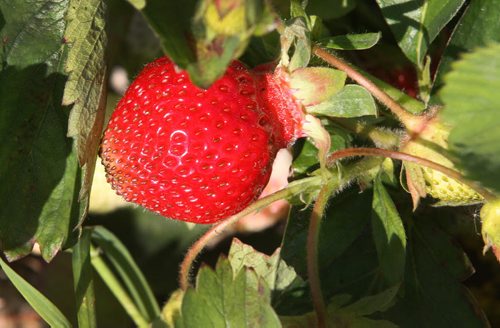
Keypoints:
(312, 252)
(412, 122)
(381, 137)
(335, 183)
(350, 152)
(294, 188)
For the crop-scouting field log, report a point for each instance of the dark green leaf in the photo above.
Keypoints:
(85, 34)
(330, 9)
(33, 31)
(83, 282)
(374, 303)
(352, 315)
(37, 162)
(44, 307)
(473, 111)
(479, 25)
(307, 158)
(415, 24)
(389, 235)
(433, 295)
(352, 41)
(223, 299)
(346, 217)
(171, 20)
(352, 101)
(128, 271)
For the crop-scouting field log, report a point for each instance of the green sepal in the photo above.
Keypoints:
(313, 85)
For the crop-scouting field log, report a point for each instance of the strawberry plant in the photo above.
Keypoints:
(139, 137)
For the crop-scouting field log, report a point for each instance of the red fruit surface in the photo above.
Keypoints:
(188, 153)
(274, 93)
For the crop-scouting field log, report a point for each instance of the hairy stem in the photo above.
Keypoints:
(383, 138)
(350, 152)
(412, 122)
(292, 189)
(312, 252)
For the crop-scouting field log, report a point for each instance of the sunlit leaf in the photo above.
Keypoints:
(352, 41)
(479, 25)
(222, 298)
(473, 110)
(85, 64)
(415, 24)
(275, 272)
(352, 101)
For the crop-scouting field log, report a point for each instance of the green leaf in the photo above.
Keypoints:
(296, 33)
(115, 286)
(352, 315)
(346, 217)
(389, 235)
(433, 295)
(340, 320)
(374, 303)
(204, 39)
(473, 111)
(83, 282)
(411, 104)
(171, 312)
(85, 64)
(352, 41)
(274, 271)
(171, 21)
(479, 25)
(44, 307)
(330, 9)
(33, 31)
(38, 163)
(223, 299)
(352, 101)
(128, 271)
(138, 4)
(313, 85)
(415, 24)
(307, 154)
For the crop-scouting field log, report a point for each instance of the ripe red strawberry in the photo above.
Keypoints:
(193, 154)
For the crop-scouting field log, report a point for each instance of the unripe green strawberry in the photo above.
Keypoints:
(193, 154)
(432, 144)
(490, 218)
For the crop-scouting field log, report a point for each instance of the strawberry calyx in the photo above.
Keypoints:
(285, 110)
(432, 144)
(490, 219)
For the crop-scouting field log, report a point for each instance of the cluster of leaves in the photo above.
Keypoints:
(379, 263)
